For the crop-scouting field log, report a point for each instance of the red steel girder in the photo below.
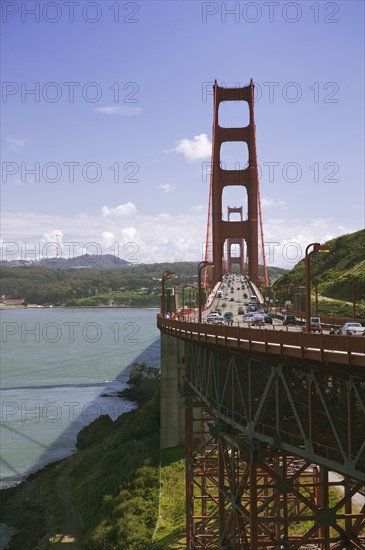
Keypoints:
(249, 498)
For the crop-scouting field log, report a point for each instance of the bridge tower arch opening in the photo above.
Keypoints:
(235, 245)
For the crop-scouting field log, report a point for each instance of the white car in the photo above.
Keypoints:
(212, 316)
(248, 318)
(254, 318)
(258, 319)
(219, 320)
(353, 329)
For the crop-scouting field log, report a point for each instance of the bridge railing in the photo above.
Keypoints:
(340, 349)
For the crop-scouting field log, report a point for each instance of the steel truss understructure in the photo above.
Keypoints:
(275, 454)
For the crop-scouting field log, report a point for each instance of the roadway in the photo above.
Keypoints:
(236, 293)
(237, 290)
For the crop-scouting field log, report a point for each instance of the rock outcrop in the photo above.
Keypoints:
(144, 382)
(141, 372)
(95, 432)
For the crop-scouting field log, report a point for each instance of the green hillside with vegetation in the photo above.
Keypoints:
(332, 271)
(120, 483)
(133, 286)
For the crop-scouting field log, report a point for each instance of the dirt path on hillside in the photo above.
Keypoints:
(72, 526)
(320, 297)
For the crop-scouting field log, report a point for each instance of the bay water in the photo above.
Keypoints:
(60, 369)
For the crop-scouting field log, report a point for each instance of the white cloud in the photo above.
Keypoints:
(150, 239)
(54, 236)
(16, 144)
(197, 148)
(107, 235)
(167, 187)
(119, 110)
(126, 209)
(266, 202)
(129, 233)
(108, 239)
(285, 243)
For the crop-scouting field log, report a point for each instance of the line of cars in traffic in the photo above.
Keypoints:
(251, 312)
(226, 292)
(260, 317)
(257, 317)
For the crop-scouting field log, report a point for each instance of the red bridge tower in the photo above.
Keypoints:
(235, 231)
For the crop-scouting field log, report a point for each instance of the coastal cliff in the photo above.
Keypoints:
(108, 493)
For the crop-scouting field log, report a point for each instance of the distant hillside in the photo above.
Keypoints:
(86, 261)
(110, 261)
(273, 273)
(74, 283)
(346, 257)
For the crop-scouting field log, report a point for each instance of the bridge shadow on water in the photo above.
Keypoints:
(65, 444)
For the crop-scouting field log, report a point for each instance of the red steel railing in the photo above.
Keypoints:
(326, 348)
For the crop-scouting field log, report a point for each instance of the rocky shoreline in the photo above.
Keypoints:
(30, 511)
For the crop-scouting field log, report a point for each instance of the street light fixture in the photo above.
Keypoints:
(201, 265)
(278, 301)
(315, 283)
(165, 275)
(193, 296)
(190, 287)
(317, 247)
(350, 276)
(183, 285)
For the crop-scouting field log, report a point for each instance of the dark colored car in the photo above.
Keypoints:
(290, 320)
(228, 315)
(241, 310)
(269, 317)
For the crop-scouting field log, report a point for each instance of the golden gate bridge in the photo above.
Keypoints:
(273, 422)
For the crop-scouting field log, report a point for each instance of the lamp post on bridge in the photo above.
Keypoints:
(190, 287)
(201, 265)
(280, 288)
(351, 276)
(183, 286)
(315, 283)
(317, 247)
(165, 275)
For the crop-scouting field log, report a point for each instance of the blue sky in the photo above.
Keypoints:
(113, 147)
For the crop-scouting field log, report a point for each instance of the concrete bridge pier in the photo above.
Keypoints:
(172, 375)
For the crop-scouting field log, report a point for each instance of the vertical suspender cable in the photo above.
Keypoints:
(208, 235)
